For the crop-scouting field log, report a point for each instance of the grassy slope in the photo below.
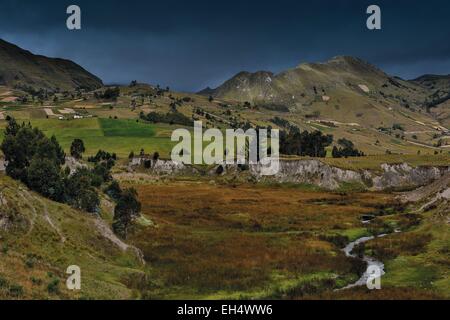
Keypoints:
(419, 257)
(33, 252)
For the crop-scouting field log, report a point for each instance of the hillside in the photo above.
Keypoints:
(21, 68)
(349, 98)
(311, 81)
(434, 82)
(39, 239)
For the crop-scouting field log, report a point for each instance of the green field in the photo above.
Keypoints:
(113, 135)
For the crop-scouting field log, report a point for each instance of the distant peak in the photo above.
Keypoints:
(345, 59)
(253, 74)
(347, 63)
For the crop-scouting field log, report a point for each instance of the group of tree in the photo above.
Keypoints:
(282, 123)
(304, 143)
(103, 162)
(38, 161)
(109, 94)
(346, 149)
(173, 117)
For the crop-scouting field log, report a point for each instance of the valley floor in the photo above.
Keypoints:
(209, 240)
(219, 239)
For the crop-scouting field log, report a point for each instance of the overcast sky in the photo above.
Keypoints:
(191, 44)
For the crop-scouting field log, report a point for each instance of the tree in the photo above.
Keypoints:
(44, 177)
(79, 192)
(347, 149)
(103, 170)
(20, 146)
(114, 190)
(59, 151)
(335, 153)
(128, 208)
(77, 149)
(12, 128)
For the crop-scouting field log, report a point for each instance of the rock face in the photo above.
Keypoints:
(73, 164)
(312, 172)
(403, 175)
(161, 167)
(317, 173)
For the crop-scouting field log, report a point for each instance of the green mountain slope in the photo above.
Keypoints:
(309, 82)
(21, 68)
(39, 239)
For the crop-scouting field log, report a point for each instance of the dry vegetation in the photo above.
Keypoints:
(230, 242)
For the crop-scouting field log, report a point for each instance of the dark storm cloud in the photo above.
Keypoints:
(192, 44)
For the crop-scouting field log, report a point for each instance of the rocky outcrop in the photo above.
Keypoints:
(161, 167)
(316, 172)
(404, 176)
(73, 164)
(312, 172)
(397, 176)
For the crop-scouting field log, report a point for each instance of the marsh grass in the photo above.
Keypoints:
(229, 241)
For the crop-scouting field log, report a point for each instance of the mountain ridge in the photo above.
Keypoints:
(309, 81)
(21, 68)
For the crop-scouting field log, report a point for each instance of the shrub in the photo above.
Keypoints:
(219, 170)
(128, 208)
(147, 164)
(30, 261)
(5, 248)
(16, 291)
(53, 286)
(397, 126)
(114, 190)
(3, 282)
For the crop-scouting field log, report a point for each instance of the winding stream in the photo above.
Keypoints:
(370, 261)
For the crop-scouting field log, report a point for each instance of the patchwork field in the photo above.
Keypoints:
(113, 135)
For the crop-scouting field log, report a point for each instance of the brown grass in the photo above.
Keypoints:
(390, 247)
(217, 238)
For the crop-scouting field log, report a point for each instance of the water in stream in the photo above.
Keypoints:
(371, 262)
